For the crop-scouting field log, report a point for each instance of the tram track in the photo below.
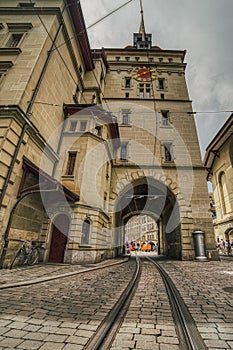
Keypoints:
(112, 317)
(188, 334)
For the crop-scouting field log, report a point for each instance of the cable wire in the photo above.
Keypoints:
(56, 48)
(96, 22)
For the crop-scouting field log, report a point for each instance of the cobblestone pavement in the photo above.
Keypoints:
(64, 313)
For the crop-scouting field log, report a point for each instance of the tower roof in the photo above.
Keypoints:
(142, 29)
(141, 39)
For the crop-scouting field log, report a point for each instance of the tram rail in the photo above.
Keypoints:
(188, 334)
(104, 336)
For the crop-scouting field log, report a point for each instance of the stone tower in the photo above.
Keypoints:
(158, 169)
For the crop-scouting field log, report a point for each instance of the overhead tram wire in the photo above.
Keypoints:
(56, 48)
(96, 22)
(109, 14)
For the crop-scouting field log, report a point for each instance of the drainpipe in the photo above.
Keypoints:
(12, 163)
(28, 113)
(7, 231)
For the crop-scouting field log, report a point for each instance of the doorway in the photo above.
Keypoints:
(58, 243)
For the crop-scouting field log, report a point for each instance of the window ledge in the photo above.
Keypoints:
(85, 246)
(67, 177)
(10, 51)
(6, 64)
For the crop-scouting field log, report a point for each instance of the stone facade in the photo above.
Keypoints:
(219, 164)
(98, 138)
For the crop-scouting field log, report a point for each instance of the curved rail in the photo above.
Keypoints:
(54, 277)
(189, 336)
(105, 334)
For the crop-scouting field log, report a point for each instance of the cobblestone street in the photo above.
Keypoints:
(64, 313)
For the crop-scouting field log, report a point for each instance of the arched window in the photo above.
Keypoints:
(223, 192)
(85, 232)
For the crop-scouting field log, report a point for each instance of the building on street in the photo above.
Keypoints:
(219, 165)
(92, 137)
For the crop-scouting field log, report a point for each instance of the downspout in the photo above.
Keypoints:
(28, 114)
(7, 231)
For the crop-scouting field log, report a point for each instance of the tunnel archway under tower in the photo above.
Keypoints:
(148, 196)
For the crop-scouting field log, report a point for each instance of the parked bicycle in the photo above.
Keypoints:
(28, 253)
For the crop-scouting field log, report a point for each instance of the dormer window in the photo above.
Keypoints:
(73, 125)
(83, 125)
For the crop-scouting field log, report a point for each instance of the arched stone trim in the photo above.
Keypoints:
(136, 176)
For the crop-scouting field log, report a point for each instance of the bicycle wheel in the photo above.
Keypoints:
(18, 259)
(33, 256)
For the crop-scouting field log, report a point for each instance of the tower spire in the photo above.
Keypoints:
(141, 40)
(142, 25)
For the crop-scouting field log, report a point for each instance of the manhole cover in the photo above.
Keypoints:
(228, 289)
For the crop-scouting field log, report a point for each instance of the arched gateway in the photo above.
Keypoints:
(150, 196)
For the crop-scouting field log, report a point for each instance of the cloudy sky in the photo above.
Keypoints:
(202, 27)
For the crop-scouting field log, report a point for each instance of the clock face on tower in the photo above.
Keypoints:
(144, 74)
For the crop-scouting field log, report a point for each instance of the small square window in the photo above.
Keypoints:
(98, 130)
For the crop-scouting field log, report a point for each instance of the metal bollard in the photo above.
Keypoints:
(199, 243)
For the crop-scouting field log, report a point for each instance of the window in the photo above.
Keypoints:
(144, 91)
(83, 125)
(14, 40)
(127, 83)
(168, 152)
(126, 95)
(165, 120)
(162, 96)
(73, 125)
(125, 116)
(141, 90)
(85, 232)
(98, 130)
(124, 152)
(71, 163)
(161, 84)
(147, 90)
